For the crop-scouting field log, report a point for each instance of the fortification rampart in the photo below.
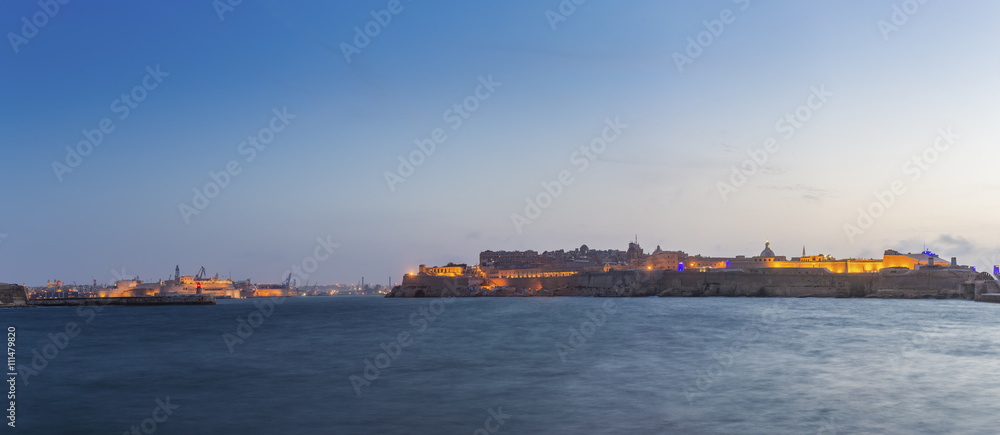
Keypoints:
(889, 283)
(12, 295)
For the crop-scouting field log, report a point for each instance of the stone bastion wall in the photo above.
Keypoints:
(12, 295)
(889, 283)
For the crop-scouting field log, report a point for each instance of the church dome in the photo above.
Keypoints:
(767, 252)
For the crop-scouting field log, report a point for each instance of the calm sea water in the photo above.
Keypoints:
(540, 365)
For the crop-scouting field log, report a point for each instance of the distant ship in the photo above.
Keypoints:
(199, 284)
(221, 288)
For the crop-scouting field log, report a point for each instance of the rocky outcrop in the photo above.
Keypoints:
(13, 295)
(889, 283)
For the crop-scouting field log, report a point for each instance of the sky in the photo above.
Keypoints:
(255, 137)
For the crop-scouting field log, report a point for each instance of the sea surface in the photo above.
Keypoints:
(512, 366)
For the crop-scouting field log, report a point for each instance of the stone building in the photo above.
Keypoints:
(451, 269)
(663, 260)
(890, 259)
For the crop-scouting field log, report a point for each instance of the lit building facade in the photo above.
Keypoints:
(529, 264)
(890, 259)
(448, 270)
(531, 273)
(663, 260)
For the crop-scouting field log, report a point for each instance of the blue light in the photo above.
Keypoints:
(680, 267)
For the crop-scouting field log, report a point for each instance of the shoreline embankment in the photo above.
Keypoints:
(13, 295)
(896, 283)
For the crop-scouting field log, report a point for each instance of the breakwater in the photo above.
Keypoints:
(134, 301)
(942, 283)
(989, 297)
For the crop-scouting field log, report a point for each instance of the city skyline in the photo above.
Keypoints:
(300, 276)
(705, 128)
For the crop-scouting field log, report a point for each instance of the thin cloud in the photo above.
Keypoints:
(806, 192)
(955, 245)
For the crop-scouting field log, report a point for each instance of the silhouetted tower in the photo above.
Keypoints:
(177, 273)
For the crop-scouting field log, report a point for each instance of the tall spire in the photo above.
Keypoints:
(803, 250)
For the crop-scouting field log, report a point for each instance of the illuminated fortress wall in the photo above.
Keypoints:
(851, 265)
(767, 282)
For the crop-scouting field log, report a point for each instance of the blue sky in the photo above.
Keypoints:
(323, 176)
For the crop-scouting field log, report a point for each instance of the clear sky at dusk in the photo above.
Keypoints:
(884, 79)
